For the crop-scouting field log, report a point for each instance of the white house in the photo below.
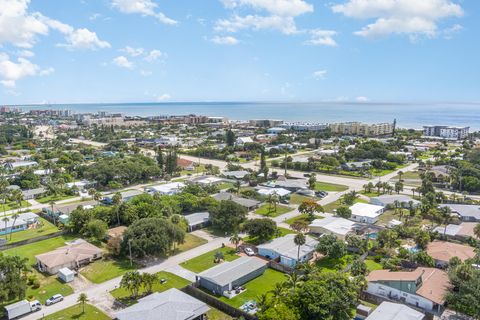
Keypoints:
(242, 140)
(285, 249)
(337, 226)
(280, 192)
(366, 213)
(166, 189)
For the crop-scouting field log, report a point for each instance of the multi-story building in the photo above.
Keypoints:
(362, 129)
(265, 123)
(304, 126)
(446, 132)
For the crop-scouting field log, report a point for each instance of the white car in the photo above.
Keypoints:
(249, 251)
(52, 300)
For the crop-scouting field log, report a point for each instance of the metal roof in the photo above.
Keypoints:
(285, 246)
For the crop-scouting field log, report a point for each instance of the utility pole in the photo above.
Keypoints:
(130, 251)
(285, 163)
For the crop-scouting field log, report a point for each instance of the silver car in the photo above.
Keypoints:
(52, 300)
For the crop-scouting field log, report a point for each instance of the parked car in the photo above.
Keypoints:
(55, 299)
(249, 251)
(306, 175)
(284, 201)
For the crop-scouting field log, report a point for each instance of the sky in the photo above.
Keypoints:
(88, 51)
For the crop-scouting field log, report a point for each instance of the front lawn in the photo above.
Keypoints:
(76, 313)
(281, 232)
(47, 199)
(325, 186)
(256, 287)
(296, 198)
(106, 269)
(46, 228)
(372, 265)
(49, 285)
(191, 241)
(301, 217)
(206, 260)
(10, 205)
(269, 211)
(172, 281)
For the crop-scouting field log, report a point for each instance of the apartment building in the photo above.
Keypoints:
(362, 129)
(446, 132)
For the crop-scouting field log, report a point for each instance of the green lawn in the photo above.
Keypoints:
(329, 264)
(46, 228)
(75, 313)
(191, 241)
(298, 198)
(205, 261)
(255, 241)
(325, 186)
(336, 204)
(256, 287)
(106, 269)
(172, 281)
(47, 199)
(215, 314)
(265, 210)
(300, 217)
(225, 185)
(29, 251)
(372, 265)
(10, 205)
(49, 285)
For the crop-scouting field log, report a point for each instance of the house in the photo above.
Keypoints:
(185, 164)
(356, 165)
(366, 213)
(207, 181)
(249, 204)
(286, 251)
(239, 175)
(171, 188)
(337, 226)
(466, 212)
(20, 164)
(279, 192)
(73, 256)
(388, 201)
(243, 140)
(197, 220)
(395, 311)
(423, 288)
(126, 196)
(443, 251)
(64, 210)
(228, 275)
(81, 185)
(33, 193)
(171, 304)
(23, 222)
(292, 184)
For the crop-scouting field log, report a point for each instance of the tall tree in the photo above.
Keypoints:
(230, 138)
(82, 298)
(299, 240)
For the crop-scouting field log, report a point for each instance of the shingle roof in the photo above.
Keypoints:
(334, 224)
(286, 246)
(172, 304)
(197, 218)
(465, 210)
(248, 203)
(390, 199)
(77, 251)
(444, 250)
(227, 272)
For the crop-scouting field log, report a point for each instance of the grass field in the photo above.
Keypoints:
(336, 204)
(205, 261)
(10, 205)
(215, 314)
(75, 313)
(329, 264)
(281, 233)
(49, 285)
(298, 198)
(46, 228)
(256, 287)
(106, 269)
(47, 199)
(300, 217)
(265, 210)
(325, 186)
(172, 281)
(372, 265)
(29, 251)
(191, 241)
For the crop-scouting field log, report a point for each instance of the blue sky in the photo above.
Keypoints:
(239, 50)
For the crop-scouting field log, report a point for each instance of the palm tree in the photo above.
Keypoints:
(235, 239)
(476, 231)
(294, 279)
(149, 280)
(17, 196)
(15, 217)
(446, 215)
(299, 240)
(278, 290)
(5, 219)
(52, 203)
(82, 298)
(400, 174)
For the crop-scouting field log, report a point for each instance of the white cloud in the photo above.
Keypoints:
(145, 73)
(154, 55)
(320, 37)
(143, 7)
(84, 39)
(21, 28)
(11, 72)
(453, 30)
(123, 62)
(289, 8)
(26, 53)
(410, 17)
(163, 97)
(361, 99)
(320, 74)
(227, 40)
(236, 23)
(134, 52)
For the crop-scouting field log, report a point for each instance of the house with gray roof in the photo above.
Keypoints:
(466, 212)
(249, 204)
(388, 200)
(286, 251)
(292, 184)
(171, 304)
(33, 193)
(197, 220)
(395, 311)
(22, 222)
(228, 275)
(239, 174)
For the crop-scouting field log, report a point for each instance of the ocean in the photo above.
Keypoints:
(408, 115)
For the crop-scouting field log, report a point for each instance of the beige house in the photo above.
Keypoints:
(443, 251)
(74, 255)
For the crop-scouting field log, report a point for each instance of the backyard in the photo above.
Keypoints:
(206, 260)
(46, 228)
(171, 281)
(269, 210)
(75, 312)
(256, 287)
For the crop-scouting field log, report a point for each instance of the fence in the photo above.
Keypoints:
(217, 304)
(32, 240)
(280, 267)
